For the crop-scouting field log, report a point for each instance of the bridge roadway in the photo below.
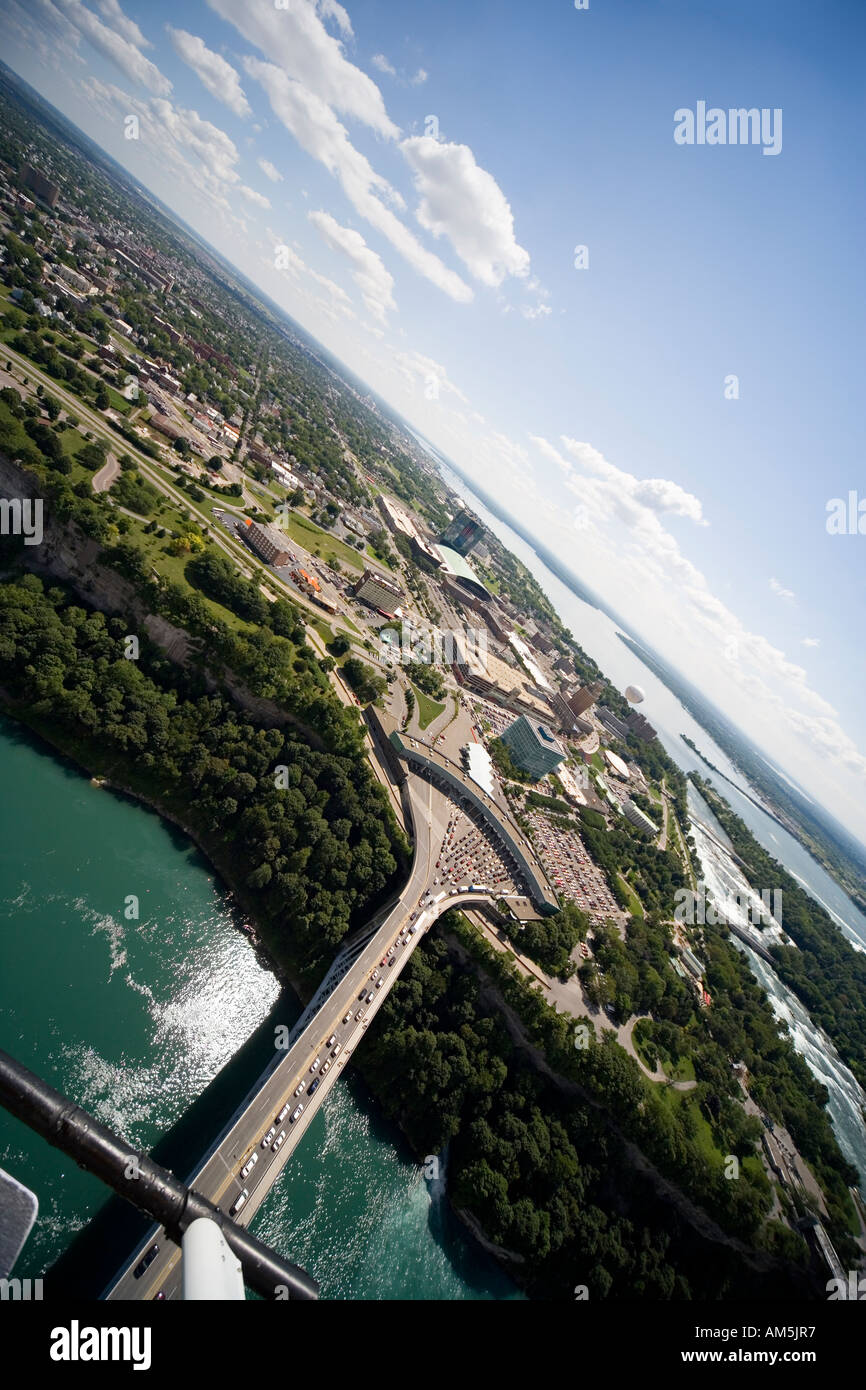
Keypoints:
(329, 1029)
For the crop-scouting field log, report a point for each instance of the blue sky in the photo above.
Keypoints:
(436, 258)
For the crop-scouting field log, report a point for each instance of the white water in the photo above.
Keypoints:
(847, 1100)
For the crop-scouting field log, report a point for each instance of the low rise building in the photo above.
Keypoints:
(380, 591)
(268, 543)
(638, 818)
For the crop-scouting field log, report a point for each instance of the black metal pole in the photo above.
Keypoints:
(153, 1189)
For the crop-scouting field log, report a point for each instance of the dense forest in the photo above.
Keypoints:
(304, 832)
(541, 1156)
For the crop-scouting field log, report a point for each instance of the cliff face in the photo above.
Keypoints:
(66, 555)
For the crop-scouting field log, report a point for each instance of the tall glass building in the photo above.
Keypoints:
(533, 747)
(462, 533)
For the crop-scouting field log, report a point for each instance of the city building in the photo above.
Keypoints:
(533, 747)
(636, 816)
(463, 533)
(268, 543)
(584, 697)
(478, 765)
(379, 591)
(485, 674)
(462, 577)
(617, 765)
(401, 523)
(612, 723)
(693, 965)
(641, 727)
(564, 713)
(46, 191)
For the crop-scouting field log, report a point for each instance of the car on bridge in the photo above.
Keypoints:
(269, 1136)
(296, 1114)
(248, 1167)
(280, 1139)
(147, 1260)
(233, 1211)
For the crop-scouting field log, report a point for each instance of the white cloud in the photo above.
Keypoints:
(416, 369)
(270, 170)
(121, 23)
(319, 132)
(636, 496)
(115, 47)
(381, 62)
(216, 150)
(369, 271)
(334, 304)
(549, 451)
(811, 641)
(463, 202)
(536, 311)
(218, 76)
(330, 9)
(780, 590)
(252, 196)
(420, 76)
(297, 41)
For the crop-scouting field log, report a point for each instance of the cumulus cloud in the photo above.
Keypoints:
(270, 170)
(369, 271)
(780, 591)
(116, 46)
(464, 203)
(420, 76)
(297, 41)
(381, 62)
(318, 131)
(218, 76)
(652, 494)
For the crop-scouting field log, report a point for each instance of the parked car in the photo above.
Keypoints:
(248, 1167)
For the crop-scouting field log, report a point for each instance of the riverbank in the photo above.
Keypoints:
(284, 969)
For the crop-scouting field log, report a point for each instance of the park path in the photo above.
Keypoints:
(108, 472)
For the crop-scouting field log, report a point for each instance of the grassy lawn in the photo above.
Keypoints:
(428, 709)
(325, 632)
(118, 401)
(675, 1068)
(635, 906)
